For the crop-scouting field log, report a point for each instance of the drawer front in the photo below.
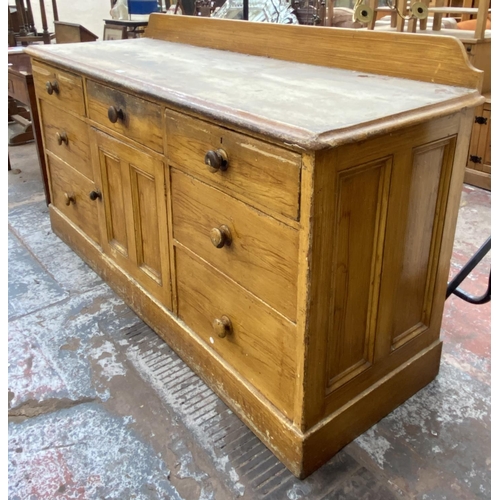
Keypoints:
(59, 87)
(67, 137)
(18, 89)
(70, 194)
(260, 344)
(130, 116)
(262, 254)
(261, 174)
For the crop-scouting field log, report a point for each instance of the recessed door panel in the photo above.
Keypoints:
(362, 193)
(112, 184)
(133, 213)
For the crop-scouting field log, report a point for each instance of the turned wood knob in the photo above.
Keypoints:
(94, 195)
(115, 114)
(52, 87)
(216, 160)
(222, 326)
(220, 236)
(69, 198)
(62, 137)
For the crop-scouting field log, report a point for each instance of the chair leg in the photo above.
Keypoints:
(423, 22)
(436, 23)
(465, 271)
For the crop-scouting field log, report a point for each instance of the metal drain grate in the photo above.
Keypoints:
(235, 449)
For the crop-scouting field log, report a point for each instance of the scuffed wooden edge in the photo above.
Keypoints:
(297, 138)
(430, 58)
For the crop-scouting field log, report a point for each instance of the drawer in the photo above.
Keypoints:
(67, 137)
(262, 255)
(70, 194)
(259, 343)
(18, 88)
(60, 88)
(261, 174)
(126, 114)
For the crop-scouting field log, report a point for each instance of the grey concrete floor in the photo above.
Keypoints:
(101, 408)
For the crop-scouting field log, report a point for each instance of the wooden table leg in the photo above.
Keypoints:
(412, 22)
(35, 120)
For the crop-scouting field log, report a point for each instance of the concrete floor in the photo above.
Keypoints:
(101, 408)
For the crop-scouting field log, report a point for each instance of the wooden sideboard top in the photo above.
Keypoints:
(307, 105)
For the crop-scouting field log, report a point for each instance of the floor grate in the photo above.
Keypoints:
(219, 431)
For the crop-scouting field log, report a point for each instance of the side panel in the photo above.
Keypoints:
(410, 275)
(378, 259)
(361, 198)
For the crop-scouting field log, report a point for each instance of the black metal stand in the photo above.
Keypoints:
(465, 271)
(245, 10)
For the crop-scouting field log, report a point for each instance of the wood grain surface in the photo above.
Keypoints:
(263, 254)
(70, 94)
(259, 173)
(311, 113)
(76, 151)
(417, 57)
(261, 343)
(133, 216)
(258, 413)
(141, 120)
(306, 282)
(64, 180)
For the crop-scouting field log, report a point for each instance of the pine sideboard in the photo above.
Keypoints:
(277, 202)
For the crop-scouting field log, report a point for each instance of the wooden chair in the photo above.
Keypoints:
(403, 8)
(22, 30)
(480, 9)
(402, 11)
(310, 13)
(203, 8)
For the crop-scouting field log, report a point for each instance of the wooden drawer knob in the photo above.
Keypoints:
(69, 198)
(216, 160)
(220, 236)
(94, 195)
(115, 114)
(52, 87)
(222, 326)
(62, 137)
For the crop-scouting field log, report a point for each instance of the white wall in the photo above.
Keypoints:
(88, 13)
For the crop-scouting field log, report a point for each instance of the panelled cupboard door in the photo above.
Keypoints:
(133, 213)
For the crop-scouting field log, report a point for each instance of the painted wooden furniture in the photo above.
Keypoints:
(478, 169)
(284, 219)
(72, 33)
